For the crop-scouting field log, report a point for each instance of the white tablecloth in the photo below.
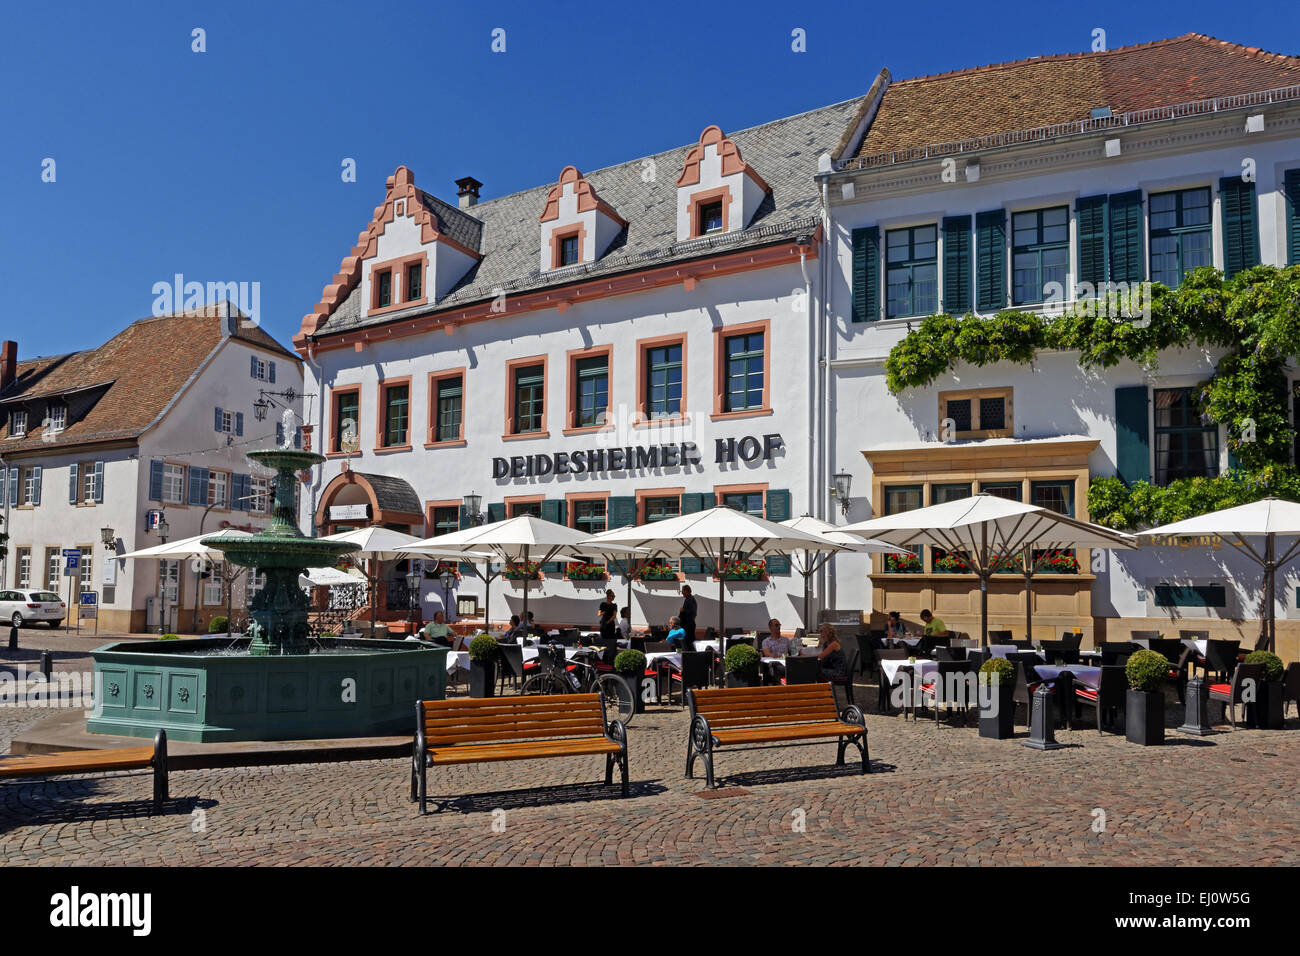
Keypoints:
(673, 657)
(1199, 646)
(920, 667)
(457, 659)
(1002, 650)
(1082, 674)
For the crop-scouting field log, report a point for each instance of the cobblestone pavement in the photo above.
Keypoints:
(937, 796)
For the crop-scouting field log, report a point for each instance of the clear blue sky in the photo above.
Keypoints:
(225, 165)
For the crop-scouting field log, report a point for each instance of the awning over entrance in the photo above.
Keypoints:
(354, 499)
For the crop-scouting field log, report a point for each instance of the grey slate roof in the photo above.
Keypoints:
(394, 494)
(507, 231)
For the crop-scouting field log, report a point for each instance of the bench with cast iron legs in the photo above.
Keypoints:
(775, 716)
(96, 761)
(488, 729)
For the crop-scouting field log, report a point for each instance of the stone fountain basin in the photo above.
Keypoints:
(211, 689)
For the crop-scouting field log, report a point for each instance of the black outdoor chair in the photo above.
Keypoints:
(1291, 686)
(655, 647)
(1071, 639)
(1233, 693)
(696, 671)
(1193, 635)
(803, 670)
(1107, 698)
(1144, 635)
(1000, 637)
(949, 654)
(1022, 645)
(1220, 658)
(947, 688)
(733, 631)
(1116, 653)
(847, 680)
(511, 657)
(851, 647)
(886, 654)
(638, 643)
(658, 633)
(734, 640)
(1059, 652)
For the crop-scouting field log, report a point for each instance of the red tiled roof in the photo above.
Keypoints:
(137, 373)
(1043, 91)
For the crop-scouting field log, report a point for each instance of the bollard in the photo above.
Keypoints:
(13, 638)
(47, 664)
(1042, 736)
(1197, 719)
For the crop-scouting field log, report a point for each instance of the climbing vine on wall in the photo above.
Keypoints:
(1255, 316)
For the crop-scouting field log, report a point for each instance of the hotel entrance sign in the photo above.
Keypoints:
(634, 458)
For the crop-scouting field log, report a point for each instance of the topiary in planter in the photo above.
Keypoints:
(218, 625)
(483, 648)
(630, 663)
(1273, 669)
(997, 706)
(1147, 671)
(742, 660)
(997, 670)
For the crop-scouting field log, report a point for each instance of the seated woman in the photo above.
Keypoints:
(438, 631)
(624, 624)
(676, 633)
(517, 633)
(829, 653)
(894, 629)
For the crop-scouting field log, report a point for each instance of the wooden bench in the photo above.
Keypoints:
(514, 728)
(775, 715)
(96, 761)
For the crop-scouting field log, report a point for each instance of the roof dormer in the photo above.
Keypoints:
(577, 225)
(717, 191)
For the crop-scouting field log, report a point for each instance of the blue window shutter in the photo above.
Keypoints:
(866, 274)
(155, 480)
(778, 509)
(37, 473)
(1291, 187)
(496, 511)
(691, 504)
(1091, 215)
(13, 487)
(1237, 223)
(991, 260)
(270, 372)
(72, 484)
(198, 486)
(252, 366)
(217, 424)
(4, 485)
(957, 297)
(1132, 437)
(1127, 261)
(99, 482)
(239, 423)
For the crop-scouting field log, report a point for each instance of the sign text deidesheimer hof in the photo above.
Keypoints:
(635, 457)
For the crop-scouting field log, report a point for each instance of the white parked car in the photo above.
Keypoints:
(24, 607)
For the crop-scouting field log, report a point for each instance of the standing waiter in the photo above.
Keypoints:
(687, 614)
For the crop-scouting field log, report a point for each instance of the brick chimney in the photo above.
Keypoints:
(8, 364)
(467, 191)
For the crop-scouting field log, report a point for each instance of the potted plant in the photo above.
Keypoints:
(1144, 721)
(997, 677)
(657, 571)
(482, 665)
(518, 570)
(585, 572)
(899, 563)
(1266, 712)
(742, 666)
(950, 562)
(630, 665)
(1059, 562)
(744, 570)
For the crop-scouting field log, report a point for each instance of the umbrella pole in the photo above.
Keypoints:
(1266, 624)
(374, 581)
(807, 593)
(524, 620)
(1029, 596)
(984, 587)
(487, 593)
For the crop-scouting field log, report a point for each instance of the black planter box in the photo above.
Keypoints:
(741, 680)
(999, 724)
(1144, 718)
(482, 678)
(1266, 712)
(633, 681)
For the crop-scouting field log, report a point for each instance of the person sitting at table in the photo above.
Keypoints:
(933, 626)
(535, 629)
(438, 631)
(625, 623)
(830, 653)
(774, 645)
(894, 627)
(676, 633)
(517, 632)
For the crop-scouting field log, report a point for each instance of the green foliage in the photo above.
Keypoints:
(483, 648)
(1147, 671)
(1143, 505)
(1273, 668)
(997, 670)
(218, 625)
(743, 660)
(169, 637)
(629, 662)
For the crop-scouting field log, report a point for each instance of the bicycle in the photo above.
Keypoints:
(560, 676)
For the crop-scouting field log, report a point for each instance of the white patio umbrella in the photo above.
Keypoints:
(598, 546)
(1266, 518)
(193, 548)
(375, 545)
(716, 536)
(516, 541)
(808, 563)
(987, 529)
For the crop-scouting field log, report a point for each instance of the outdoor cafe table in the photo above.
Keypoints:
(1082, 675)
(1002, 650)
(920, 667)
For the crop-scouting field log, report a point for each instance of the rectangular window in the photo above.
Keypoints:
(940, 494)
(520, 508)
(744, 386)
(173, 490)
(87, 470)
(1180, 234)
(53, 565)
(259, 369)
(227, 422)
(1191, 595)
(912, 271)
(414, 280)
(58, 417)
(592, 399)
(260, 495)
(1040, 252)
(397, 402)
(23, 572)
(985, 413)
(18, 423)
(29, 486)
(446, 520)
(750, 502)
(710, 217)
(568, 250)
(530, 384)
(993, 413)
(660, 509)
(1011, 490)
(1186, 447)
(959, 412)
(218, 483)
(450, 395)
(347, 411)
(1055, 496)
(383, 288)
(86, 570)
(589, 516)
(900, 499)
(213, 592)
(170, 571)
(663, 381)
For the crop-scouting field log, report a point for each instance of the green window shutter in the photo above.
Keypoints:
(778, 509)
(496, 511)
(1091, 215)
(1127, 262)
(866, 274)
(956, 265)
(991, 260)
(553, 511)
(690, 505)
(621, 511)
(1240, 237)
(466, 568)
(1132, 437)
(1291, 188)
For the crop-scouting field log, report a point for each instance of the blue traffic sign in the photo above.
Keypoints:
(89, 597)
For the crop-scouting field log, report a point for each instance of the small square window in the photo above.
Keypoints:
(710, 217)
(568, 250)
(18, 423)
(959, 412)
(384, 289)
(993, 413)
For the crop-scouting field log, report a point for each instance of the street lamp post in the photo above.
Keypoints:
(473, 503)
(412, 594)
(447, 578)
(164, 529)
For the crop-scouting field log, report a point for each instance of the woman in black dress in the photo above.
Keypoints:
(829, 652)
(608, 615)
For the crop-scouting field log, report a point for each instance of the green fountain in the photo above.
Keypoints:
(276, 682)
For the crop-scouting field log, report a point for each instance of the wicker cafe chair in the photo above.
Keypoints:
(1144, 636)
(803, 670)
(999, 637)
(847, 680)
(1107, 698)
(1233, 693)
(887, 654)
(947, 687)
(696, 671)
(1220, 658)
(511, 658)
(1291, 686)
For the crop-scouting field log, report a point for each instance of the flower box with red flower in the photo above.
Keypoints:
(743, 571)
(518, 570)
(902, 563)
(585, 572)
(657, 571)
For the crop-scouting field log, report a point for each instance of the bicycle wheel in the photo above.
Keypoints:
(539, 684)
(618, 696)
